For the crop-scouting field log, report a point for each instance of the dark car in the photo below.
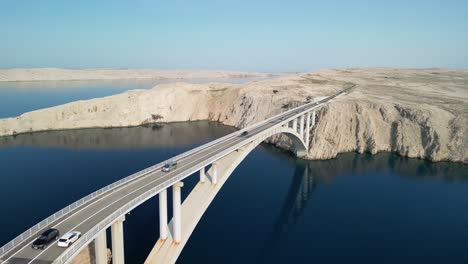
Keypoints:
(245, 133)
(43, 240)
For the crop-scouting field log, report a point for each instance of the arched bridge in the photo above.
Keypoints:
(107, 207)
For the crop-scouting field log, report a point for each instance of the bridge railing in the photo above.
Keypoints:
(49, 220)
(106, 222)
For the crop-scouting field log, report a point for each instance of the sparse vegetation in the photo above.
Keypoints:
(156, 117)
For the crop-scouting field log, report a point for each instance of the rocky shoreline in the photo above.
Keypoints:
(415, 113)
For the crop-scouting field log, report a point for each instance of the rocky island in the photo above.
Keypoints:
(419, 113)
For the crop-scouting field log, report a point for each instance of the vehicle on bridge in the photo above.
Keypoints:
(68, 239)
(45, 238)
(169, 166)
(108, 206)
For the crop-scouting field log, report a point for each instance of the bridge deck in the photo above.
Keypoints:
(90, 214)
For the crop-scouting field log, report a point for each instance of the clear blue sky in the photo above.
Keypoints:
(239, 35)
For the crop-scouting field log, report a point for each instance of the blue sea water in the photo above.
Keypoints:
(357, 208)
(275, 208)
(17, 98)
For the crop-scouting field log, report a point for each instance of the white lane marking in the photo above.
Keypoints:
(78, 209)
(140, 178)
(155, 170)
(122, 197)
(107, 194)
(173, 172)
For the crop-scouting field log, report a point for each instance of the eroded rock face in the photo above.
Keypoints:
(416, 113)
(361, 126)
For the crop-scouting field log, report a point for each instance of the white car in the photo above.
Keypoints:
(68, 239)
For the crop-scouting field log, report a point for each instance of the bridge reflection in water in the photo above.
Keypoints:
(310, 176)
(300, 192)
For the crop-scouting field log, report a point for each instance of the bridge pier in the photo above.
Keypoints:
(301, 126)
(100, 248)
(214, 175)
(177, 212)
(163, 214)
(202, 175)
(222, 156)
(307, 131)
(313, 118)
(118, 242)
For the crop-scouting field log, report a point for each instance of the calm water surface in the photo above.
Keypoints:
(273, 209)
(19, 97)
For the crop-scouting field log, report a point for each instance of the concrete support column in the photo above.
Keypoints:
(301, 126)
(100, 247)
(295, 124)
(202, 175)
(214, 174)
(307, 130)
(163, 214)
(313, 118)
(118, 242)
(177, 211)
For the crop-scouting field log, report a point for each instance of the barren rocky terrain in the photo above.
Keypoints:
(418, 113)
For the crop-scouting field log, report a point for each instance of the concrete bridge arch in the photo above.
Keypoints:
(215, 161)
(211, 182)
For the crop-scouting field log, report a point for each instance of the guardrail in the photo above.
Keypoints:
(104, 224)
(46, 222)
(49, 220)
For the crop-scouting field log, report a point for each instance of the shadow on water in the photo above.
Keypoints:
(309, 175)
(73, 163)
(356, 163)
(87, 159)
(148, 136)
(299, 193)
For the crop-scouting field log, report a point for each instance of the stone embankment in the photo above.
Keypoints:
(415, 113)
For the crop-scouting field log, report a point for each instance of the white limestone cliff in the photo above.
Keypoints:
(415, 113)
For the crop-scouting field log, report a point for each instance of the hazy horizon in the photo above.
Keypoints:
(262, 36)
(240, 70)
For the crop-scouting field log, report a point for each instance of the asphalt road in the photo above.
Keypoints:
(90, 214)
